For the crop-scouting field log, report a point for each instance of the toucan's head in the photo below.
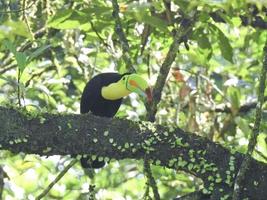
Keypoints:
(135, 83)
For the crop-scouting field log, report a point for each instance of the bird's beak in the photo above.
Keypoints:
(146, 93)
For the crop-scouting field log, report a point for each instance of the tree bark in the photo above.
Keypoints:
(70, 134)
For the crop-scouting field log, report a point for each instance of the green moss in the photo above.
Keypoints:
(166, 133)
(114, 144)
(48, 149)
(106, 159)
(190, 166)
(126, 145)
(100, 158)
(93, 157)
(158, 162)
(95, 140)
(106, 133)
(218, 180)
(69, 125)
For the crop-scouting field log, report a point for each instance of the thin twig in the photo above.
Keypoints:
(18, 87)
(26, 19)
(98, 35)
(123, 40)
(27, 83)
(59, 176)
(239, 182)
(151, 179)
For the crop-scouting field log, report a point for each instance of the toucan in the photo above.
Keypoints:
(103, 94)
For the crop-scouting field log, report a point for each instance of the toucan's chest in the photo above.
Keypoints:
(92, 99)
(105, 108)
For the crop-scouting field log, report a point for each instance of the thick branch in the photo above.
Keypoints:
(53, 134)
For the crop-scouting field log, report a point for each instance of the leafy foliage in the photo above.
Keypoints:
(48, 53)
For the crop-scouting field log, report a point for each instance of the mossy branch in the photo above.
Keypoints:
(55, 134)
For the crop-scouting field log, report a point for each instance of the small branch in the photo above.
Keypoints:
(98, 35)
(123, 40)
(151, 179)
(239, 182)
(26, 19)
(146, 194)
(18, 87)
(243, 109)
(27, 83)
(185, 28)
(60, 175)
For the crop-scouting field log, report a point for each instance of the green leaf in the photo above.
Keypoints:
(59, 17)
(98, 11)
(38, 52)
(156, 22)
(202, 39)
(234, 94)
(17, 28)
(243, 124)
(9, 45)
(71, 21)
(225, 47)
(21, 59)
(224, 44)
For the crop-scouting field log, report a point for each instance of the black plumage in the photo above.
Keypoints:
(92, 101)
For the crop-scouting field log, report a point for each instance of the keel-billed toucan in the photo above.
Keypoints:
(102, 96)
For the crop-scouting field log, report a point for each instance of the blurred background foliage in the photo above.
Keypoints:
(50, 49)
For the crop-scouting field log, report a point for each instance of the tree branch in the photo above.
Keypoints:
(59, 176)
(185, 28)
(239, 183)
(54, 134)
(123, 40)
(243, 109)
